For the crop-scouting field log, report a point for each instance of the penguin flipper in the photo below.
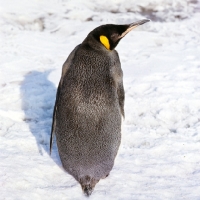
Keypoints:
(117, 74)
(65, 68)
(53, 127)
(121, 97)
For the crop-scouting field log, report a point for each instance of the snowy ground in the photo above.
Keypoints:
(159, 157)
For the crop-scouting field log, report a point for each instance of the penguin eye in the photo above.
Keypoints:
(115, 37)
(104, 40)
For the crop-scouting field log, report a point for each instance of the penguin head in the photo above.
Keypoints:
(109, 35)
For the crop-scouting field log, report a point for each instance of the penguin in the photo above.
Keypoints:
(89, 106)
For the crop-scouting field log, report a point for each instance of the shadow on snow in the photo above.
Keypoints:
(38, 99)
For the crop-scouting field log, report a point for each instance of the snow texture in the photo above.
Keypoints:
(159, 157)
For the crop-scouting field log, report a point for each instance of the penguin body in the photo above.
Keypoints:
(89, 106)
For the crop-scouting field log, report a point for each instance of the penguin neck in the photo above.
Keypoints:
(94, 44)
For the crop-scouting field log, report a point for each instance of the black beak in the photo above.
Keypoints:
(138, 23)
(133, 25)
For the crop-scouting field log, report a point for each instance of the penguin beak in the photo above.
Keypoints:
(134, 25)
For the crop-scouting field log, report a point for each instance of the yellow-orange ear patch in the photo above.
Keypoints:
(104, 40)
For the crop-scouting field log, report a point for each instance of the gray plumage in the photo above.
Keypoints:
(88, 108)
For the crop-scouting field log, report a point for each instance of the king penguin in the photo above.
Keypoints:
(89, 106)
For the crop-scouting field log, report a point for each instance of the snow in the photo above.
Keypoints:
(159, 157)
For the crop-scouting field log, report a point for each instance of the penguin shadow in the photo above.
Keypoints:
(38, 98)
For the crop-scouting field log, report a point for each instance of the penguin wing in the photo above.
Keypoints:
(65, 68)
(54, 120)
(121, 97)
(118, 78)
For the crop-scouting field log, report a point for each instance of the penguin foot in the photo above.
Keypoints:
(106, 176)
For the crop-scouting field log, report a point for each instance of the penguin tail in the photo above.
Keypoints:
(87, 189)
(88, 184)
